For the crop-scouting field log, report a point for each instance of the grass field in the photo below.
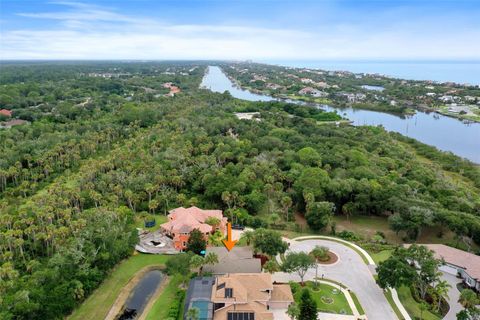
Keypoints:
(325, 290)
(412, 306)
(367, 226)
(162, 305)
(159, 218)
(100, 301)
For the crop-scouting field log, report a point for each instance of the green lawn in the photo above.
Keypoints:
(161, 307)
(412, 306)
(325, 290)
(101, 300)
(388, 295)
(381, 256)
(159, 218)
(357, 303)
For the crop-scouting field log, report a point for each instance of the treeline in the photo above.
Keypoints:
(59, 239)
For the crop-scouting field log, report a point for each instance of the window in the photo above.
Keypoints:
(228, 292)
(221, 286)
(241, 316)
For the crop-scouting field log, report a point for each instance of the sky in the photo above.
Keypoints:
(240, 29)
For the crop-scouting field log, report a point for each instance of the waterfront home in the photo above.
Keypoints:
(245, 296)
(313, 92)
(182, 221)
(255, 295)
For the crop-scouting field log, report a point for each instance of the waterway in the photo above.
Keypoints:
(140, 295)
(445, 133)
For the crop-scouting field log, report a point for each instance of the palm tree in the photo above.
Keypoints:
(211, 258)
(193, 314)
(248, 235)
(318, 253)
(271, 266)
(441, 289)
(197, 262)
(468, 298)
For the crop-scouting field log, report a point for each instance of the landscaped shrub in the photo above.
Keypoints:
(294, 286)
(176, 304)
(349, 235)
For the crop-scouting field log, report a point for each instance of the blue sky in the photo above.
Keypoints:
(240, 29)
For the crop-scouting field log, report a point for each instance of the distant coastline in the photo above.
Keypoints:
(458, 71)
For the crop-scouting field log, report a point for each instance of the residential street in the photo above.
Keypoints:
(349, 270)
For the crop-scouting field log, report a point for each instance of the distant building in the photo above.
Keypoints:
(182, 221)
(6, 113)
(12, 123)
(313, 92)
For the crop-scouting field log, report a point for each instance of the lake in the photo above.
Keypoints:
(445, 133)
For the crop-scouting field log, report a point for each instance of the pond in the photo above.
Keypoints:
(141, 294)
(445, 133)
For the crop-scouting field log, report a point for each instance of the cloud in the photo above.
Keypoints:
(85, 31)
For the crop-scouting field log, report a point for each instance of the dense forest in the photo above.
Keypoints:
(106, 143)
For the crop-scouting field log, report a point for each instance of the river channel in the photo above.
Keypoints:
(445, 133)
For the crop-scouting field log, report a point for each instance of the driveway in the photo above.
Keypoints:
(453, 295)
(349, 270)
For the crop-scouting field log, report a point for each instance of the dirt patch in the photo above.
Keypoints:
(125, 293)
(332, 258)
(300, 220)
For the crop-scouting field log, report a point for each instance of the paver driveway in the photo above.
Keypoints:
(349, 270)
(453, 295)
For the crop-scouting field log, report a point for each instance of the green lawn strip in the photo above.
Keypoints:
(161, 307)
(325, 290)
(97, 305)
(412, 306)
(357, 303)
(380, 256)
(388, 295)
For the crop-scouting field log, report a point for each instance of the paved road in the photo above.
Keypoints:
(453, 295)
(349, 270)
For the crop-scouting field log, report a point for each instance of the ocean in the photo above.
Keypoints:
(464, 72)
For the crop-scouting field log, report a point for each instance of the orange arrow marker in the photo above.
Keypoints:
(229, 243)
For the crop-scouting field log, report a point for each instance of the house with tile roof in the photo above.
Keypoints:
(238, 296)
(182, 221)
(465, 264)
(248, 296)
(459, 263)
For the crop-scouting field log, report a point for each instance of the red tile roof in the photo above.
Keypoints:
(459, 258)
(184, 220)
(6, 112)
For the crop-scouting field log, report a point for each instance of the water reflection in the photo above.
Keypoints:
(141, 294)
(443, 132)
